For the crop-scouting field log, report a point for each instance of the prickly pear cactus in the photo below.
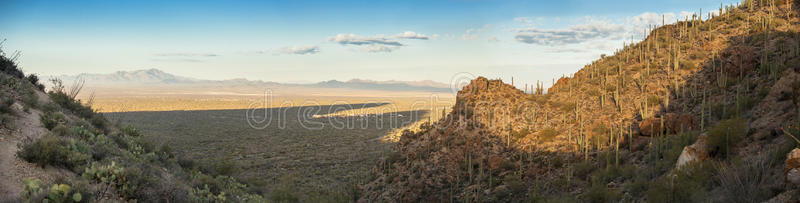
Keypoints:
(32, 187)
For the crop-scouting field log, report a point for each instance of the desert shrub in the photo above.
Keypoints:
(34, 79)
(5, 112)
(101, 150)
(599, 192)
(547, 134)
(56, 152)
(9, 67)
(61, 130)
(186, 163)
(50, 107)
(688, 184)
(164, 153)
(51, 119)
(283, 195)
(220, 166)
(69, 103)
(5, 105)
(6, 120)
(726, 134)
(638, 186)
(205, 194)
(582, 169)
(99, 122)
(130, 131)
(745, 181)
(120, 141)
(30, 100)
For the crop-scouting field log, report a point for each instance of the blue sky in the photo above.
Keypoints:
(309, 41)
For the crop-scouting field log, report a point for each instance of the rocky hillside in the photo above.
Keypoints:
(54, 148)
(700, 110)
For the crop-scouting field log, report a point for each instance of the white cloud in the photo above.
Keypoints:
(493, 39)
(353, 39)
(300, 50)
(411, 35)
(592, 29)
(469, 35)
(186, 54)
(435, 36)
(377, 48)
(474, 33)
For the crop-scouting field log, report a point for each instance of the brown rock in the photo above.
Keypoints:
(695, 152)
(792, 169)
(650, 126)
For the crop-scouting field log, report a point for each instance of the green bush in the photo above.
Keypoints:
(34, 79)
(5, 105)
(691, 183)
(30, 100)
(56, 152)
(186, 163)
(599, 192)
(6, 120)
(9, 67)
(746, 181)
(582, 169)
(725, 135)
(61, 130)
(225, 167)
(66, 102)
(130, 131)
(51, 119)
(165, 153)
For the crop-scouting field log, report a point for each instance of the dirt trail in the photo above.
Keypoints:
(14, 170)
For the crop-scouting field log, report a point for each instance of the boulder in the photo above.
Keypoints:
(695, 152)
(650, 126)
(792, 169)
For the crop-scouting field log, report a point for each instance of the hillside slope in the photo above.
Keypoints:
(615, 129)
(54, 148)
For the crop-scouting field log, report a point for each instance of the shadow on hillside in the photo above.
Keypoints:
(734, 82)
(321, 154)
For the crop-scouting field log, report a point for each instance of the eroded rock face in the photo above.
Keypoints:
(695, 152)
(792, 169)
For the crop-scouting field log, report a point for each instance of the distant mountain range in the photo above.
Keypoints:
(159, 77)
(152, 76)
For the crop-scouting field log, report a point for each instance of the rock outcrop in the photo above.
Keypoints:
(792, 169)
(695, 152)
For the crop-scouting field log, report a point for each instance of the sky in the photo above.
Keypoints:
(309, 41)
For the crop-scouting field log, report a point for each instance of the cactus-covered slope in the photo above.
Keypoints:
(615, 129)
